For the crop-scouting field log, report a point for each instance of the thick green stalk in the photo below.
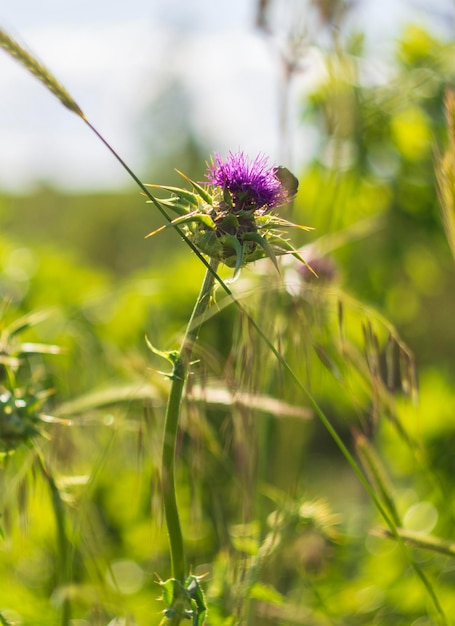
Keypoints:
(179, 374)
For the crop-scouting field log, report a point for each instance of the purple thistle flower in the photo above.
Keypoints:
(253, 185)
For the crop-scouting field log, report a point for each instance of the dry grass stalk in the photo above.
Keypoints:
(445, 173)
(40, 71)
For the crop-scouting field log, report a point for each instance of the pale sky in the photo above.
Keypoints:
(116, 58)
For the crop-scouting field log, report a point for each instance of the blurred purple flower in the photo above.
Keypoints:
(321, 269)
(252, 185)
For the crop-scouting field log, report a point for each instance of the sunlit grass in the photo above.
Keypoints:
(313, 477)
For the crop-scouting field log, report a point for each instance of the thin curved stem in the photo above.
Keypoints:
(64, 565)
(179, 375)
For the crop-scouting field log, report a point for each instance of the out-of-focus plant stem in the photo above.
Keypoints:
(64, 566)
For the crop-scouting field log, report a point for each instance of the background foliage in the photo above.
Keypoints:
(272, 514)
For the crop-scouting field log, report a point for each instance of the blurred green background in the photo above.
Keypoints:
(271, 511)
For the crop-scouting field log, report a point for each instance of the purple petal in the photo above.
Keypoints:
(252, 184)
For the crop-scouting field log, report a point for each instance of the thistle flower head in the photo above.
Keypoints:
(251, 184)
(230, 217)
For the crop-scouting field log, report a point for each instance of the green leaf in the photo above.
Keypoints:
(170, 355)
(227, 198)
(201, 191)
(27, 321)
(286, 247)
(184, 194)
(184, 602)
(175, 204)
(265, 593)
(4, 621)
(196, 594)
(262, 241)
(231, 220)
(202, 218)
(167, 587)
(231, 241)
(269, 220)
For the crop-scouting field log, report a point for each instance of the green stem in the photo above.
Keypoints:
(179, 375)
(62, 539)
